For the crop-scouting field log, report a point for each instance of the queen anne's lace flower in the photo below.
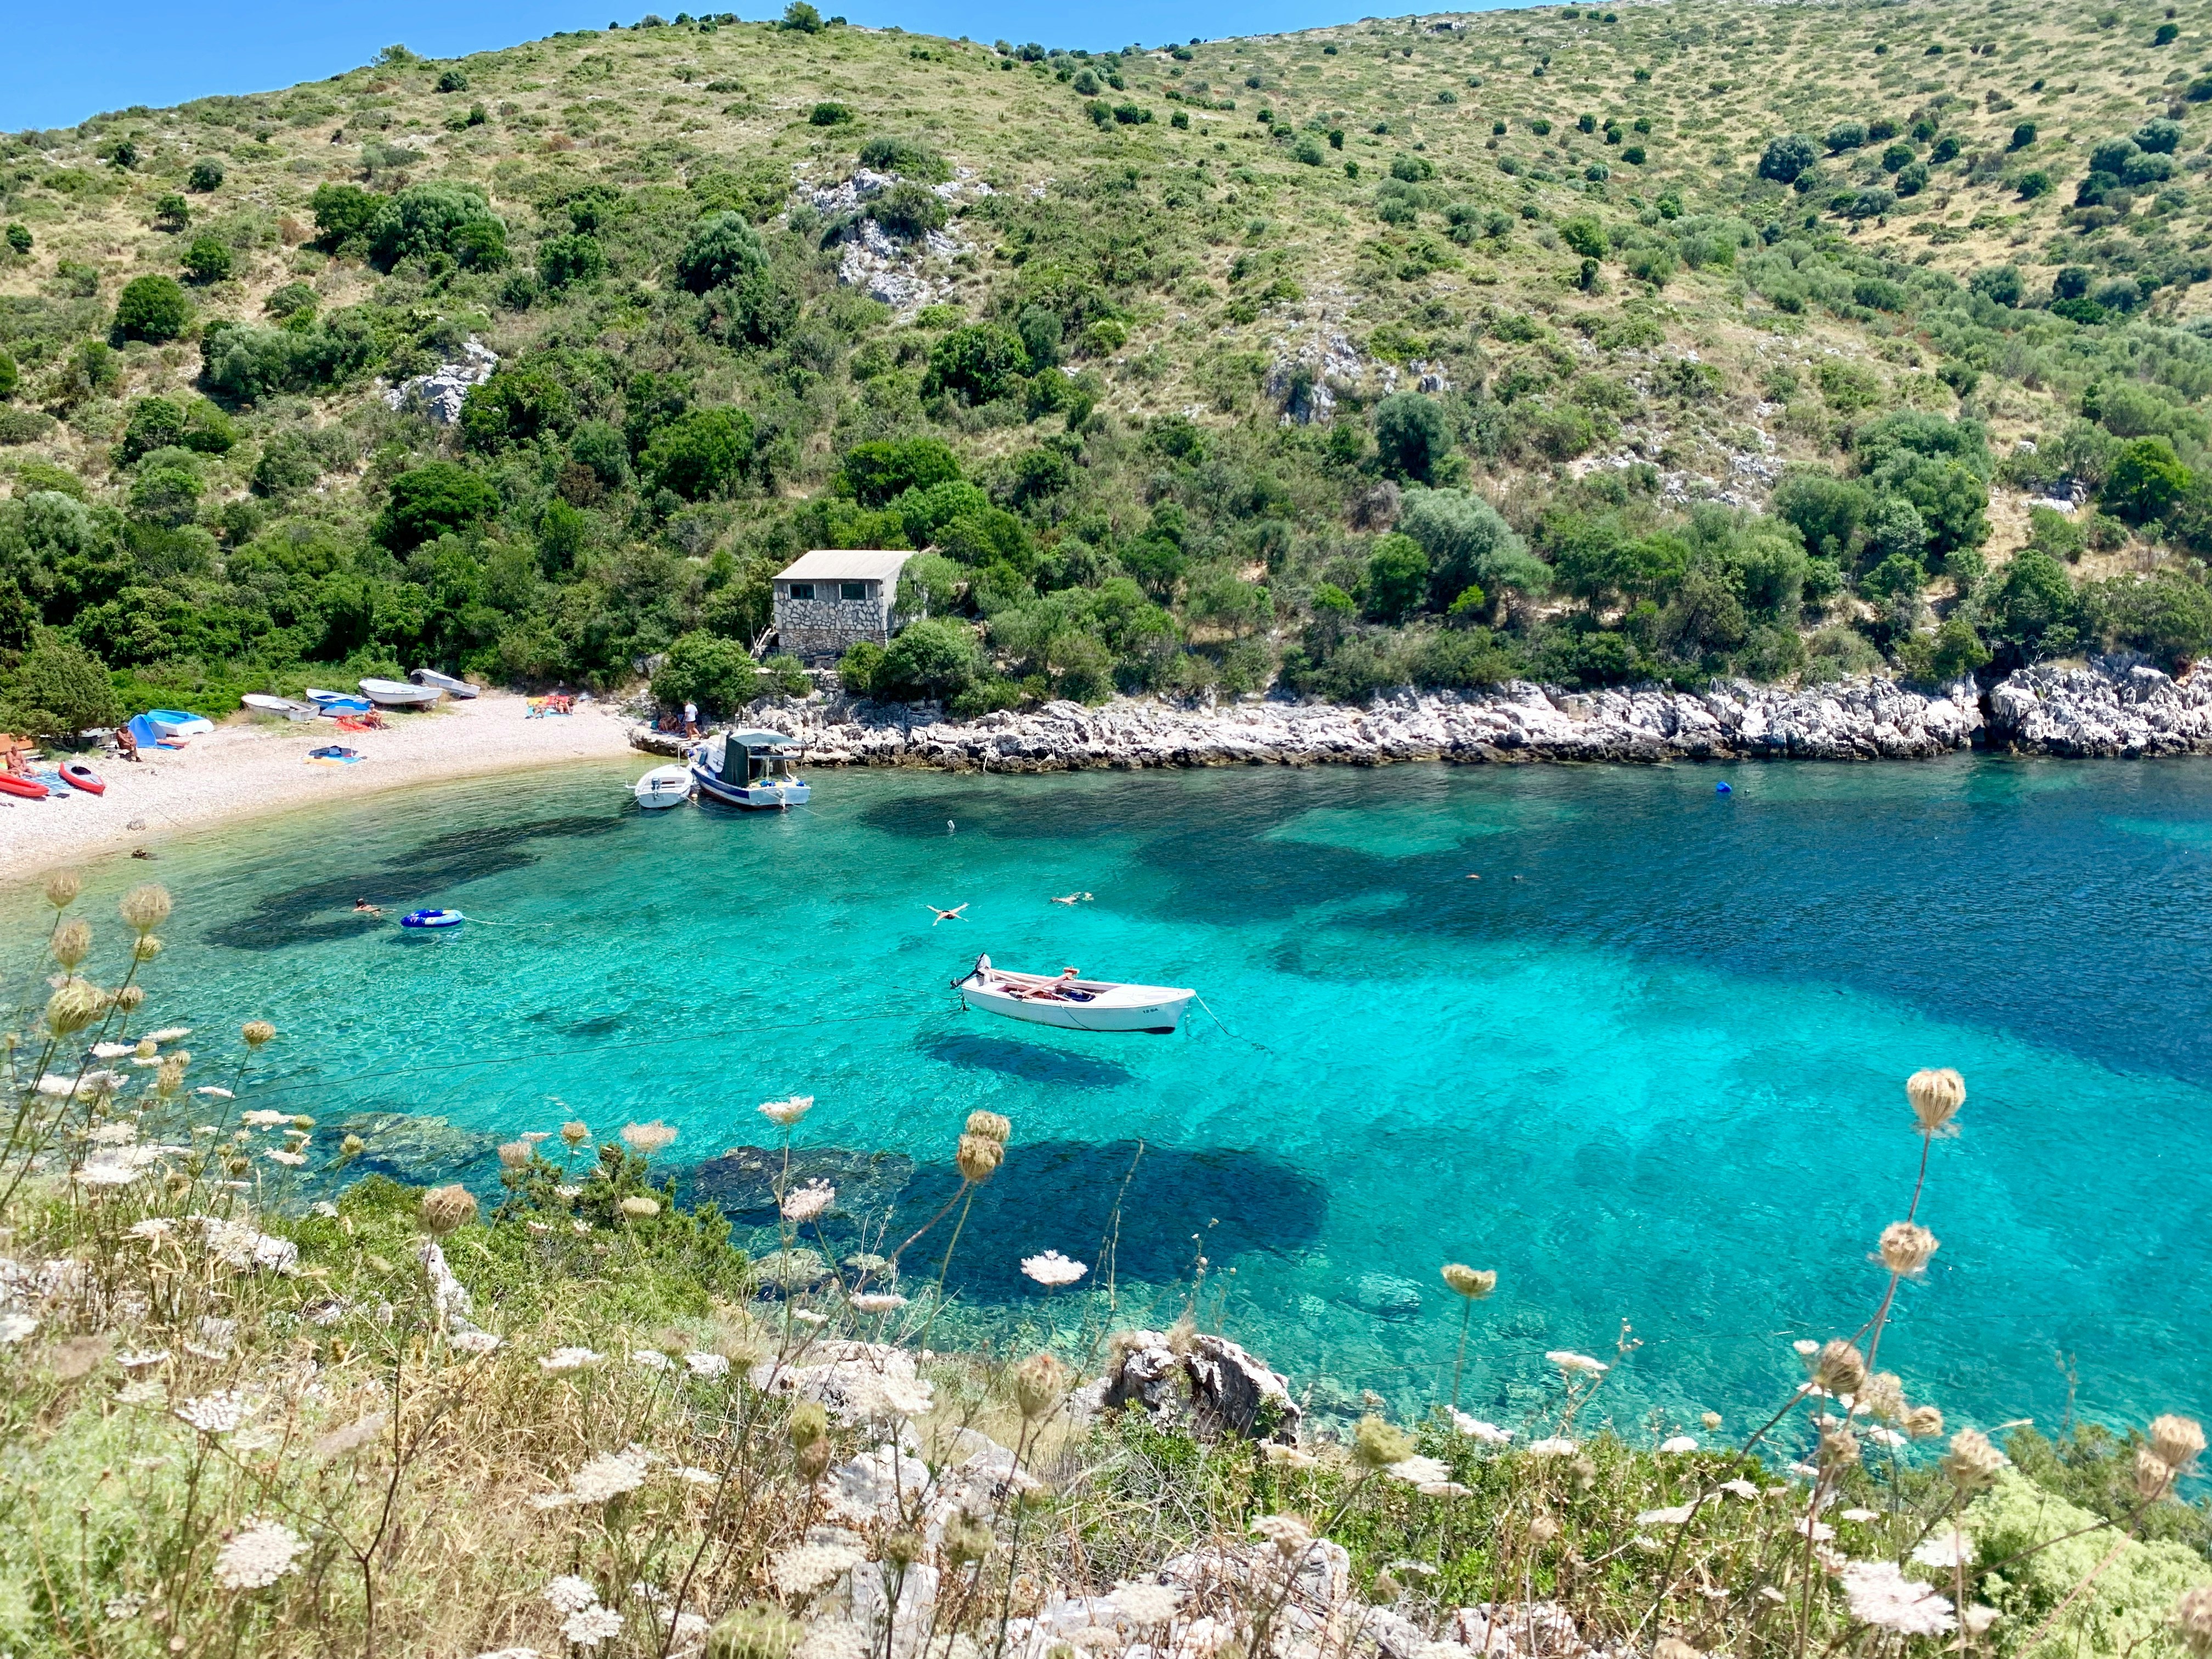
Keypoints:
(1679, 1443)
(1555, 1446)
(220, 1412)
(1419, 1471)
(707, 1365)
(258, 1557)
(592, 1626)
(569, 1594)
(608, 1476)
(806, 1568)
(570, 1360)
(878, 1301)
(1487, 1434)
(785, 1113)
(1572, 1362)
(1881, 1595)
(806, 1203)
(1946, 1550)
(1052, 1269)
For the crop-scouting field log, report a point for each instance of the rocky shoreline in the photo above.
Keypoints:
(2118, 706)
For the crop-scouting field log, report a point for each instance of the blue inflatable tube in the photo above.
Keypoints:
(432, 919)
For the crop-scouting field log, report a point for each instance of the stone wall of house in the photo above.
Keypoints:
(818, 628)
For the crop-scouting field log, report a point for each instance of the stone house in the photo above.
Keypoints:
(833, 597)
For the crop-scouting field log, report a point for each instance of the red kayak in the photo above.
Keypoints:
(78, 775)
(29, 788)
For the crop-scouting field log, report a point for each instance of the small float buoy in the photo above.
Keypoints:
(1723, 789)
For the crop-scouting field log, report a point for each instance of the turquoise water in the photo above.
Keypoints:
(1648, 1068)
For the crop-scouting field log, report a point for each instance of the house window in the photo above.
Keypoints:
(852, 591)
(802, 590)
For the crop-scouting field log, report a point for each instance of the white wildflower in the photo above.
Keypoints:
(1806, 1347)
(153, 1226)
(1819, 1531)
(1679, 1443)
(1554, 1446)
(647, 1139)
(651, 1360)
(1419, 1471)
(1946, 1550)
(1740, 1488)
(570, 1360)
(1052, 1269)
(108, 1172)
(264, 1119)
(608, 1476)
(124, 1606)
(113, 1050)
(1443, 1489)
(592, 1626)
(878, 1301)
(136, 1360)
(1474, 1428)
(841, 1639)
(169, 1034)
(806, 1203)
(1881, 1595)
(808, 1316)
(1861, 1516)
(258, 1557)
(113, 1135)
(804, 1568)
(707, 1365)
(695, 1477)
(220, 1412)
(785, 1113)
(477, 1342)
(290, 1160)
(1676, 1516)
(147, 1393)
(214, 1093)
(569, 1594)
(1148, 1604)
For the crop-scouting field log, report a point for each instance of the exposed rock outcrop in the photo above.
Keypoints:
(2116, 705)
(1223, 1388)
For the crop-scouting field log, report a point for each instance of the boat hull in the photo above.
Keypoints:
(78, 776)
(176, 723)
(1156, 1010)
(445, 683)
(663, 787)
(753, 797)
(399, 694)
(29, 788)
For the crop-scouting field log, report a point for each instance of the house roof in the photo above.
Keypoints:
(842, 564)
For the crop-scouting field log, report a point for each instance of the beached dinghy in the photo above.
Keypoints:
(13, 783)
(1072, 1003)
(78, 775)
(663, 787)
(445, 683)
(262, 703)
(177, 723)
(335, 703)
(748, 768)
(399, 694)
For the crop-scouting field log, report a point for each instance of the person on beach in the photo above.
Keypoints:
(126, 743)
(690, 718)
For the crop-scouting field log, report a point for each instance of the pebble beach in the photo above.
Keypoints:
(248, 768)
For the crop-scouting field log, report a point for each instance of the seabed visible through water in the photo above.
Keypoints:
(1649, 1067)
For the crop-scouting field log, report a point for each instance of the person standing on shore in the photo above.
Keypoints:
(690, 718)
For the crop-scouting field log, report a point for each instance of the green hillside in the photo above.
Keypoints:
(1650, 343)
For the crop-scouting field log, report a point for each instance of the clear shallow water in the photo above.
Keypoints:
(1649, 1068)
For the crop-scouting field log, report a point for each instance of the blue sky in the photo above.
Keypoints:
(63, 65)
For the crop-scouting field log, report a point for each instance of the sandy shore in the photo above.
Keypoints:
(250, 767)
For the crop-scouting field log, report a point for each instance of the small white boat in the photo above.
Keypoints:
(177, 723)
(748, 768)
(1072, 1003)
(335, 703)
(399, 694)
(663, 787)
(261, 703)
(445, 683)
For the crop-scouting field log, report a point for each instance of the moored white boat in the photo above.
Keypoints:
(748, 768)
(1072, 1003)
(177, 723)
(335, 703)
(663, 787)
(262, 703)
(445, 683)
(399, 694)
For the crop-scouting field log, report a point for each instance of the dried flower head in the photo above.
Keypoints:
(145, 948)
(1922, 1422)
(1040, 1383)
(62, 888)
(641, 1206)
(1472, 1283)
(1710, 1420)
(1052, 1269)
(878, 1301)
(144, 908)
(761, 1631)
(72, 944)
(1543, 1528)
(786, 1113)
(1376, 1445)
(444, 1208)
(2177, 1440)
(990, 1126)
(575, 1134)
(258, 1556)
(1674, 1646)
(803, 1569)
(1973, 1463)
(130, 998)
(1906, 1249)
(515, 1154)
(1288, 1534)
(1839, 1368)
(979, 1157)
(2154, 1478)
(74, 1004)
(806, 1203)
(967, 1539)
(1881, 1397)
(1839, 1448)
(2192, 1617)
(352, 1147)
(257, 1032)
(647, 1139)
(1936, 1096)
(809, 1422)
